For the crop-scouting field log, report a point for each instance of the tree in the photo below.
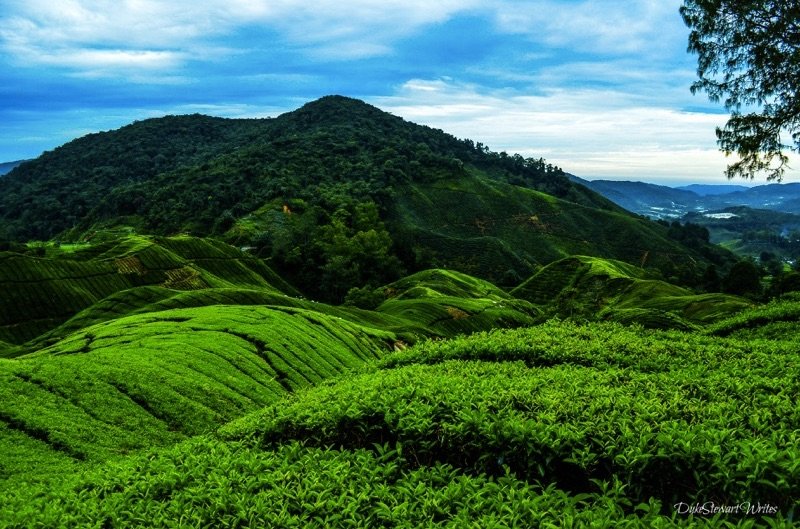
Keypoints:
(749, 57)
(744, 279)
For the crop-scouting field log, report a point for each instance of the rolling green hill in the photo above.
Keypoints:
(46, 298)
(593, 288)
(153, 379)
(132, 342)
(40, 293)
(445, 303)
(337, 194)
(173, 350)
(597, 424)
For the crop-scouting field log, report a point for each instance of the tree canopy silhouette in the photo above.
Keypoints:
(749, 57)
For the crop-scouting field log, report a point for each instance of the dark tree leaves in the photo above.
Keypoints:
(749, 58)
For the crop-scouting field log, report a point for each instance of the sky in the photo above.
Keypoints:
(597, 87)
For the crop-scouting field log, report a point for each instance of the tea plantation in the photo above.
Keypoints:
(192, 387)
(559, 425)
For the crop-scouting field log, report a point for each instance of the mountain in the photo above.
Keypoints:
(651, 200)
(7, 167)
(664, 202)
(712, 189)
(153, 377)
(337, 194)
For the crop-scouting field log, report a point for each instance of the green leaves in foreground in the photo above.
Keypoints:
(207, 483)
(552, 426)
(674, 417)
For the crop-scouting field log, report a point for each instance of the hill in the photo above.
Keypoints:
(752, 232)
(153, 379)
(663, 202)
(651, 200)
(713, 189)
(134, 342)
(591, 288)
(101, 281)
(337, 194)
(52, 292)
(598, 424)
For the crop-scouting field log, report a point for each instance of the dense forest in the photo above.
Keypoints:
(335, 195)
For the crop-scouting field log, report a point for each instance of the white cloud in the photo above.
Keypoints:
(36, 30)
(591, 133)
(595, 26)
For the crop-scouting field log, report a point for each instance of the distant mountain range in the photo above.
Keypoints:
(7, 167)
(663, 202)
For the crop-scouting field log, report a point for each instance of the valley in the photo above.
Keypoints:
(750, 221)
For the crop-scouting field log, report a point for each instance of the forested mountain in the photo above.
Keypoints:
(338, 194)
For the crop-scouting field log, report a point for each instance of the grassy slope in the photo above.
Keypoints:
(444, 303)
(45, 299)
(41, 293)
(152, 379)
(497, 231)
(598, 424)
(592, 288)
(150, 364)
(776, 320)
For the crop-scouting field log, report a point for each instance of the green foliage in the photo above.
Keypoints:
(338, 194)
(668, 415)
(748, 58)
(42, 293)
(329, 255)
(598, 424)
(152, 379)
(750, 232)
(445, 303)
(590, 288)
(205, 483)
(744, 279)
(775, 320)
(364, 298)
(75, 184)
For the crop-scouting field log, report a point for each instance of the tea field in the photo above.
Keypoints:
(556, 425)
(178, 382)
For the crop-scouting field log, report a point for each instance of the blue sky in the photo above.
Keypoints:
(598, 87)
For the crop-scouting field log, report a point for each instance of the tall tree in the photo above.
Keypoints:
(749, 57)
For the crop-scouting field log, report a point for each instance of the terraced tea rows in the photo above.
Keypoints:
(152, 379)
(39, 294)
(583, 425)
(666, 416)
(446, 303)
(591, 288)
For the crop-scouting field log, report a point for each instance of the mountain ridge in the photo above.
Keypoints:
(336, 194)
(666, 202)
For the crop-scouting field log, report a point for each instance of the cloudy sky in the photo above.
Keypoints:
(598, 87)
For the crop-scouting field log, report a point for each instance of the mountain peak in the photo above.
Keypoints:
(337, 109)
